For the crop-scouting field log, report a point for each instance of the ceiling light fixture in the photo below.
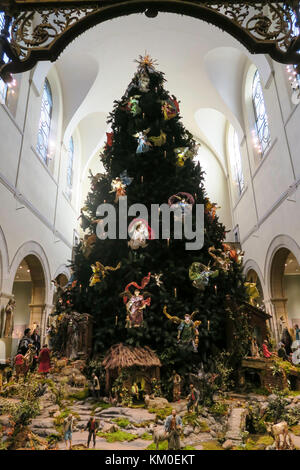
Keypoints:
(151, 12)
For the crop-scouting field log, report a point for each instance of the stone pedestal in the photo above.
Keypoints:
(8, 348)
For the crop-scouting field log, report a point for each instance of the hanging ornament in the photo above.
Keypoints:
(251, 291)
(157, 279)
(87, 244)
(133, 105)
(143, 143)
(188, 333)
(210, 208)
(160, 140)
(109, 138)
(182, 154)
(85, 221)
(182, 203)
(95, 179)
(143, 82)
(119, 184)
(221, 258)
(235, 255)
(140, 232)
(100, 271)
(136, 302)
(200, 275)
(170, 108)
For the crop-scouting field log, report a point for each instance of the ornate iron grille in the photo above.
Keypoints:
(41, 30)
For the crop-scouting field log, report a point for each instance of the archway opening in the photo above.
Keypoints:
(285, 289)
(29, 293)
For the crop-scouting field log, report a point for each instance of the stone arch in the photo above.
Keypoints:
(31, 248)
(277, 254)
(62, 270)
(41, 300)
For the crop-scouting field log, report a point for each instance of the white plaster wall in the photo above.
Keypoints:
(35, 216)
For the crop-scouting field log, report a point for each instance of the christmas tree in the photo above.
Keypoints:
(140, 289)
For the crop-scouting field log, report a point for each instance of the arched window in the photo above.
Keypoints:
(45, 123)
(236, 161)
(293, 70)
(70, 168)
(262, 130)
(3, 85)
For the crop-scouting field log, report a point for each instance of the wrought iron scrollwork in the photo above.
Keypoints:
(42, 32)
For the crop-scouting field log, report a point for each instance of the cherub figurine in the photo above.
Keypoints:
(87, 244)
(95, 179)
(85, 221)
(143, 143)
(182, 201)
(210, 208)
(133, 105)
(200, 275)
(139, 233)
(170, 108)
(118, 187)
(157, 279)
(100, 271)
(182, 154)
(119, 184)
(143, 82)
(222, 259)
(188, 332)
(252, 291)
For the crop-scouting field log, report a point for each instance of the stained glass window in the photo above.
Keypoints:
(236, 162)
(261, 118)
(70, 168)
(3, 85)
(45, 123)
(296, 32)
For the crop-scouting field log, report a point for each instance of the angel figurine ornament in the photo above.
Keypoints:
(119, 184)
(143, 143)
(221, 258)
(100, 271)
(170, 108)
(133, 105)
(143, 82)
(182, 154)
(200, 275)
(140, 232)
(188, 333)
(136, 302)
(182, 204)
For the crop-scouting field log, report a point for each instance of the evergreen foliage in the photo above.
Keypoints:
(157, 174)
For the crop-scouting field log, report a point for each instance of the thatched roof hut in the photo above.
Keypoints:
(121, 356)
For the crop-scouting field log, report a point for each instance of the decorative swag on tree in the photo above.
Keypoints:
(149, 291)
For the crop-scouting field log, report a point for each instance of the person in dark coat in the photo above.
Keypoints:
(92, 427)
(36, 339)
(282, 352)
(286, 339)
(24, 343)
